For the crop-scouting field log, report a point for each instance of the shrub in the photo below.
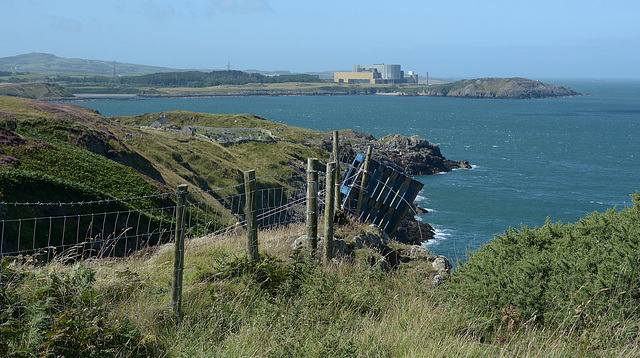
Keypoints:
(568, 276)
(62, 317)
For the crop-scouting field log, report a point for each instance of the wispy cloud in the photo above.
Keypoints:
(65, 24)
(241, 6)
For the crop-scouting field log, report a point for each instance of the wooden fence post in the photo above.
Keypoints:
(363, 183)
(312, 203)
(251, 215)
(178, 257)
(329, 213)
(336, 158)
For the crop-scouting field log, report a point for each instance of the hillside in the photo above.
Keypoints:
(55, 152)
(48, 64)
(34, 90)
(36, 134)
(500, 88)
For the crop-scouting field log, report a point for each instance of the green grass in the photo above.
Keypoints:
(53, 140)
(34, 90)
(78, 144)
(286, 305)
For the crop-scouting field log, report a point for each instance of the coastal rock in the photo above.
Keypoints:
(369, 240)
(420, 252)
(411, 155)
(397, 142)
(412, 231)
(442, 265)
(416, 156)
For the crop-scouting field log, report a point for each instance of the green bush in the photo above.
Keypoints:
(62, 317)
(569, 276)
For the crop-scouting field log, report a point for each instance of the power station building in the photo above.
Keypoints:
(375, 74)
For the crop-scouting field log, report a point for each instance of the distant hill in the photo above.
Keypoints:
(325, 75)
(34, 90)
(48, 64)
(502, 88)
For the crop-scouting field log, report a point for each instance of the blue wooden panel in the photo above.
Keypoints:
(387, 197)
(345, 188)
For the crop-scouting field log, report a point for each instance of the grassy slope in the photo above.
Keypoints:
(34, 90)
(75, 155)
(72, 141)
(494, 87)
(53, 139)
(288, 306)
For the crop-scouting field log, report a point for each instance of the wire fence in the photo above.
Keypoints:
(87, 256)
(105, 259)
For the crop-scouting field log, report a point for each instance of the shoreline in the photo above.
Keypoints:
(109, 97)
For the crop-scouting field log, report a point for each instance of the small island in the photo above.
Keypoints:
(499, 88)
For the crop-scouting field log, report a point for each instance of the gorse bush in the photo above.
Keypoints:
(60, 314)
(268, 273)
(573, 276)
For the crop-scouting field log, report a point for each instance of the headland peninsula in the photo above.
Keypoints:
(48, 77)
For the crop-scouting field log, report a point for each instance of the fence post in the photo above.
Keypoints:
(329, 213)
(178, 257)
(336, 158)
(312, 203)
(363, 183)
(251, 215)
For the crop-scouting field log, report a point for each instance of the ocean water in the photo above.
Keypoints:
(532, 159)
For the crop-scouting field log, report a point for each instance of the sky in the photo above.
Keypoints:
(447, 38)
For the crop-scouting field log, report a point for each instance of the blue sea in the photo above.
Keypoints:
(532, 159)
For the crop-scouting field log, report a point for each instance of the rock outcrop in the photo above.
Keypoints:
(412, 231)
(411, 155)
(386, 257)
(416, 156)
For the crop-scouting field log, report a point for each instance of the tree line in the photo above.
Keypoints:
(191, 79)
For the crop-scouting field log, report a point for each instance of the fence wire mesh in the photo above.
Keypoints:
(102, 260)
(107, 259)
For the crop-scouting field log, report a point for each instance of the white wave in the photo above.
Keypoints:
(421, 198)
(432, 242)
(440, 235)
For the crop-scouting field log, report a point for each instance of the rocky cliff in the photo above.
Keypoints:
(411, 155)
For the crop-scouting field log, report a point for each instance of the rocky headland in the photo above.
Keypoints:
(499, 88)
(411, 155)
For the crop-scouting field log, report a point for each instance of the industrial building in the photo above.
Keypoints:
(374, 74)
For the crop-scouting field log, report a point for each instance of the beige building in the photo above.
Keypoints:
(354, 77)
(372, 74)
